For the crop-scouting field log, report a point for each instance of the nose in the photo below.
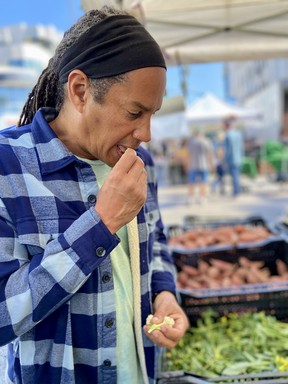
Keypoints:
(143, 132)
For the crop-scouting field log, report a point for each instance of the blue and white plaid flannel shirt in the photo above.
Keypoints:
(57, 306)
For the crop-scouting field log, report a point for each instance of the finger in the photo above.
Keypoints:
(169, 332)
(137, 170)
(160, 339)
(137, 167)
(142, 176)
(138, 176)
(126, 161)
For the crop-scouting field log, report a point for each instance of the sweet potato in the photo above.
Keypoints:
(239, 228)
(277, 279)
(191, 271)
(177, 240)
(182, 278)
(189, 244)
(201, 242)
(222, 265)
(244, 262)
(192, 235)
(259, 275)
(218, 273)
(226, 282)
(193, 284)
(242, 272)
(247, 237)
(252, 278)
(214, 283)
(210, 239)
(213, 272)
(203, 266)
(236, 279)
(222, 235)
(257, 264)
(281, 267)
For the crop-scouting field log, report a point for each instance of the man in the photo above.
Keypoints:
(200, 163)
(233, 153)
(83, 256)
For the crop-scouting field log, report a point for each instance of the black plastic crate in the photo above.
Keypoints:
(193, 221)
(181, 377)
(273, 375)
(270, 297)
(268, 250)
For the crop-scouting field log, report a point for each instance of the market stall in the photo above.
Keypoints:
(232, 281)
(191, 31)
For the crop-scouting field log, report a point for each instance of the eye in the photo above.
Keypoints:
(134, 115)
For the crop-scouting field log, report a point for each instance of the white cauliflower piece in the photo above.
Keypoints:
(167, 321)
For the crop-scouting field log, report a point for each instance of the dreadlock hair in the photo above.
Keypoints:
(48, 92)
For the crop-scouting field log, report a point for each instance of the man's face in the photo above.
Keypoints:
(123, 120)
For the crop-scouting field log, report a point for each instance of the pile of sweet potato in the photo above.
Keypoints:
(222, 235)
(217, 273)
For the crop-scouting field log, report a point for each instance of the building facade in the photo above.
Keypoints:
(262, 85)
(24, 52)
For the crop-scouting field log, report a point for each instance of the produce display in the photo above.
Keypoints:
(232, 280)
(235, 344)
(217, 273)
(225, 235)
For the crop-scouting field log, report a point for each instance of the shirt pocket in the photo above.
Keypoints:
(36, 234)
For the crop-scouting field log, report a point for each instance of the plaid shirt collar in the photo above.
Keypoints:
(54, 155)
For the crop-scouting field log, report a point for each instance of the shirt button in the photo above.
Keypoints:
(107, 363)
(100, 251)
(109, 323)
(106, 278)
(151, 216)
(92, 199)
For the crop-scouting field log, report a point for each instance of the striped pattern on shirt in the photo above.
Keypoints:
(57, 305)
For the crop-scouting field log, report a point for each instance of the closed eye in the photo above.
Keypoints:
(135, 115)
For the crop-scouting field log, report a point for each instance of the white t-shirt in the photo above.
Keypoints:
(128, 367)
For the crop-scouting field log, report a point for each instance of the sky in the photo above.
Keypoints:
(200, 79)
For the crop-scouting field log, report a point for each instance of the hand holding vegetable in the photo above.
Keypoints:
(165, 335)
(123, 192)
(167, 321)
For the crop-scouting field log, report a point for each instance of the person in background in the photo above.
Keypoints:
(201, 162)
(179, 157)
(233, 153)
(219, 182)
(83, 256)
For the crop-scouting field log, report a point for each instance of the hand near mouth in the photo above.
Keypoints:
(123, 193)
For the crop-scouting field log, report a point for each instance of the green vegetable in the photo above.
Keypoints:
(245, 343)
(167, 321)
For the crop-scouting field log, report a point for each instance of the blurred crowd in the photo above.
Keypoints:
(214, 162)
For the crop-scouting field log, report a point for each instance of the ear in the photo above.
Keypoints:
(78, 86)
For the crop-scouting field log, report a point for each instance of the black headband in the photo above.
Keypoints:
(116, 45)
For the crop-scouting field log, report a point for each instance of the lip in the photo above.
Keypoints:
(121, 149)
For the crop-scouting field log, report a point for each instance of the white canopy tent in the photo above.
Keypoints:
(193, 31)
(170, 121)
(208, 111)
(170, 125)
(211, 110)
